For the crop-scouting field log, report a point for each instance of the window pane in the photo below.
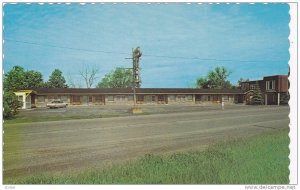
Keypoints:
(64, 98)
(110, 98)
(172, 97)
(153, 98)
(130, 98)
(189, 97)
(41, 98)
(20, 98)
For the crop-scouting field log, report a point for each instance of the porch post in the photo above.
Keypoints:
(24, 101)
(278, 99)
(266, 99)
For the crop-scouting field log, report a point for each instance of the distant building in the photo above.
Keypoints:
(274, 90)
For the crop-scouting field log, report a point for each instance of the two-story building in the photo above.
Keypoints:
(274, 89)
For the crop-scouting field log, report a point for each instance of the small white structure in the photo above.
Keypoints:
(24, 96)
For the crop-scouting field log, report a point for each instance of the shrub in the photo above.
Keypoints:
(10, 104)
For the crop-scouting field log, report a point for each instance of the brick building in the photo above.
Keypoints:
(274, 89)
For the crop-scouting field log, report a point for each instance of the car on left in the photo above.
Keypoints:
(57, 104)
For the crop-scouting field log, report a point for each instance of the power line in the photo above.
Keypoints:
(144, 55)
(64, 47)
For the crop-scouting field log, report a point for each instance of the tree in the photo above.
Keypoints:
(118, 78)
(89, 75)
(257, 98)
(203, 82)
(14, 79)
(18, 78)
(34, 79)
(216, 78)
(71, 82)
(56, 80)
(10, 104)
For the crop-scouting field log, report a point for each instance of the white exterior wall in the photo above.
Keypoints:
(26, 99)
(181, 99)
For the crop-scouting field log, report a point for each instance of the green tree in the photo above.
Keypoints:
(216, 79)
(10, 104)
(203, 82)
(18, 78)
(257, 98)
(33, 79)
(56, 80)
(118, 78)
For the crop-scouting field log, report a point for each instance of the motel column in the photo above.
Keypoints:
(266, 99)
(278, 99)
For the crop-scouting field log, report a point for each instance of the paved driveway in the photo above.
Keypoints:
(63, 146)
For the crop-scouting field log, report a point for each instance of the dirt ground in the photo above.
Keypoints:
(72, 145)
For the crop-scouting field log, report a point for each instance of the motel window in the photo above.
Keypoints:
(245, 86)
(225, 98)
(153, 98)
(198, 97)
(50, 98)
(203, 97)
(140, 98)
(41, 98)
(64, 98)
(120, 98)
(181, 98)
(98, 98)
(172, 97)
(270, 85)
(130, 98)
(76, 98)
(150, 98)
(110, 98)
(208, 98)
(189, 97)
(252, 86)
(161, 98)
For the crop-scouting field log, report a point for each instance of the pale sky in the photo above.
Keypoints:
(180, 42)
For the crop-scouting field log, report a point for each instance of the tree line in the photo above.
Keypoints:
(19, 78)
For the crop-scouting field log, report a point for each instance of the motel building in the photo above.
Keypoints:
(274, 90)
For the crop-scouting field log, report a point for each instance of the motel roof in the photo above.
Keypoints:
(138, 91)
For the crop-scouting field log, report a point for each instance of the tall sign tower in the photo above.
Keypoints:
(136, 55)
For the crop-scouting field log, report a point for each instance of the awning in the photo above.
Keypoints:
(26, 92)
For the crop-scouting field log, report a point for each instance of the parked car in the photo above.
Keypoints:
(57, 104)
